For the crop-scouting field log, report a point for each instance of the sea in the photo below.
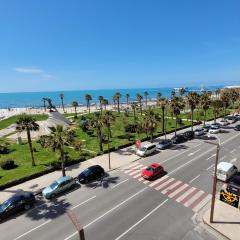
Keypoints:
(34, 99)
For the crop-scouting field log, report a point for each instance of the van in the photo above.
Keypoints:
(146, 150)
(225, 171)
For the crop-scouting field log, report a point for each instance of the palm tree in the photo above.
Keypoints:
(114, 100)
(105, 103)
(216, 104)
(118, 96)
(100, 99)
(225, 98)
(75, 105)
(134, 105)
(205, 101)
(88, 98)
(150, 122)
(97, 123)
(173, 93)
(58, 139)
(182, 91)
(163, 103)
(159, 95)
(139, 99)
(127, 97)
(27, 123)
(146, 97)
(108, 119)
(192, 99)
(176, 106)
(61, 95)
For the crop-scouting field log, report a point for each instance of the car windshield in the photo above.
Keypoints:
(86, 172)
(54, 185)
(149, 169)
(6, 204)
(214, 127)
(236, 180)
(143, 149)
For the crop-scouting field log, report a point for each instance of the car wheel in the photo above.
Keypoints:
(27, 206)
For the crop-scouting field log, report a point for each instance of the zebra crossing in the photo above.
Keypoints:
(177, 190)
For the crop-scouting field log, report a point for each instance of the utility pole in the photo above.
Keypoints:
(214, 180)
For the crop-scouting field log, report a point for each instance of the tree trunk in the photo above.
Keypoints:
(99, 133)
(62, 160)
(88, 107)
(141, 108)
(163, 118)
(134, 114)
(75, 111)
(192, 110)
(109, 159)
(118, 106)
(175, 125)
(204, 121)
(30, 147)
(63, 106)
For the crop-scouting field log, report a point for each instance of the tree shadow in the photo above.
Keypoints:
(126, 152)
(178, 147)
(103, 182)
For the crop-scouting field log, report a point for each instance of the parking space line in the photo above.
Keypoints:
(142, 219)
(120, 183)
(80, 204)
(194, 178)
(210, 167)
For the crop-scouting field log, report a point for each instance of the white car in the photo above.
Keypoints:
(214, 130)
(146, 150)
(199, 132)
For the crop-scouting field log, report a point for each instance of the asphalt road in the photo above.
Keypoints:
(128, 207)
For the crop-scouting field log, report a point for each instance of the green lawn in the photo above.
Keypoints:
(7, 122)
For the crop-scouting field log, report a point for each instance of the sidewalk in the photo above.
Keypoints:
(226, 220)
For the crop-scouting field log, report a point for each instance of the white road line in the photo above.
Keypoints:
(210, 157)
(194, 178)
(119, 183)
(192, 153)
(210, 167)
(158, 181)
(171, 195)
(135, 168)
(24, 234)
(112, 209)
(165, 183)
(193, 198)
(233, 160)
(177, 155)
(202, 203)
(222, 158)
(171, 187)
(133, 226)
(185, 194)
(33, 229)
(80, 204)
(233, 150)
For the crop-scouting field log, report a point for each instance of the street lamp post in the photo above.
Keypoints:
(214, 178)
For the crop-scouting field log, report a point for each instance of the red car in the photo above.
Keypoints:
(152, 171)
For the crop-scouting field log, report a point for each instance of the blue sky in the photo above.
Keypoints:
(50, 45)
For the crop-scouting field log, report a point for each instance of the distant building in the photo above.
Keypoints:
(230, 87)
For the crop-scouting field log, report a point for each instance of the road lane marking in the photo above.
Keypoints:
(185, 194)
(166, 184)
(210, 167)
(159, 180)
(33, 229)
(233, 150)
(178, 154)
(233, 160)
(210, 157)
(48, 221)
(110, 210)
(222, 158)
(193, 198)
(142, 219)
(202, 203)
(80, 204)
(166, 190)
(120, 183)
(194, 178)
(192, 153)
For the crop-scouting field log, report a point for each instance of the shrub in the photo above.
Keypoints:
(4, 149)
(8, 164)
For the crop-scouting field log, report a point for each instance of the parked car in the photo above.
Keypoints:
(224, 122)
(206, 127)
(226, 170)
(199, 132)
(152, 171)
(237, 127)
(90, 174)
(216, 125)
(188, 135)
(231, 119)
(179, 138)
(234, 185)
(146, 150)
(164, 144)
(16, 203)
(60, 185)
(214, 129)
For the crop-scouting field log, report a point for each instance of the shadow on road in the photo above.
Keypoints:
(104, 182)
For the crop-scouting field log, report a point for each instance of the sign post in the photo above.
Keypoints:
(77, 225)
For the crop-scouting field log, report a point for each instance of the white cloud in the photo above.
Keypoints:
(48, 76)
(28, 70)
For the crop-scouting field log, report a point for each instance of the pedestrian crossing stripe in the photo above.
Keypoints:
(183, 193)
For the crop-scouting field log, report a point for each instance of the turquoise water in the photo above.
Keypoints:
(33, 99)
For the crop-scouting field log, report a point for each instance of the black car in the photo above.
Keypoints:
(188, 135)
(90, 174)
(164, 144)
(16, 203)
(237, 127)
(234, 185)
(206, 127)
(178, 139)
